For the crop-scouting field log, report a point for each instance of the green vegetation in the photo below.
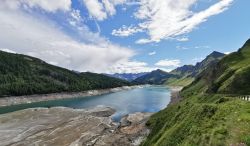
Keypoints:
(25, 75)
(184, 81)
(209, 114)
(201, 120)
(188, 73)
(157, 77)
(231, 75)
(181, 76)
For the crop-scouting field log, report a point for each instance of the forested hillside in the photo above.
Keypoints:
(25, 75)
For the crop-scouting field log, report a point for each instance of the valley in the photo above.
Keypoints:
(204, 112)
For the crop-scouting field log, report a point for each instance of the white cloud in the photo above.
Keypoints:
(227, 53)
(151, 53)
(135, 67)
(182, 48)
(143, 41)
(47, 5)
(96, 9)
(168, 63)
(125, 31)
(40, 37)
(75, 19)
(183, 39)
(100, 10)
(191, 47)
(202, 47)
(168, 19)
(75, 14)
(131, 67)
(7, 50)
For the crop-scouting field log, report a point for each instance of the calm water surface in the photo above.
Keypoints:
(147, 99)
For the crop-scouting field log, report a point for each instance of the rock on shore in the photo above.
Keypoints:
(60, 126)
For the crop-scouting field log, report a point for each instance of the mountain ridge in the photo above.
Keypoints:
(127, 76)
(25, 75)
(155, 77)
(180, 76)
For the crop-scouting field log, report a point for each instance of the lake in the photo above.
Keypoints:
(146, 99)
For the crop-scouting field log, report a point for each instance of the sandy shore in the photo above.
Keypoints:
(14, 100)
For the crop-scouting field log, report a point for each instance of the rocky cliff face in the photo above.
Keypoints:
(62, 126)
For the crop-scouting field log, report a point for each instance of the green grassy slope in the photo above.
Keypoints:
(199, 120)
(25, 75)
(231, 75)
(184, 81)
(189, 72)
(205, 116)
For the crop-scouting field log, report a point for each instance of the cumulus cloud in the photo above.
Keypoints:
(168, 19)
(40, 37)
(168, 63)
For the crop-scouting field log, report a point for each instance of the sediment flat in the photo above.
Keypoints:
(61, 126)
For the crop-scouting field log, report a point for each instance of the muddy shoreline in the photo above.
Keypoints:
(61, 126)
(15, 100)
(175, 94)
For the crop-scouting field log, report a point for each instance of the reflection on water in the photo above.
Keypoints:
(148, 99)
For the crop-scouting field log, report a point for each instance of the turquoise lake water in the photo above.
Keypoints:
(147, 99)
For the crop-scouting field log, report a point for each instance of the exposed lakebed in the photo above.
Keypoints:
(146, 99)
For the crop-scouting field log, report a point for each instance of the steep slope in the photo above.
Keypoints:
(231, 75)
(181, 76)
(127, 76)
(189, 72)
(23, 75)
(155, 77)
(205, 117)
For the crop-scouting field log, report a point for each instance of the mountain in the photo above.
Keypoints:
(189, 72)
(229, 76)
(127, 76)
(181, 76)
(25, 75)
(210, 112)
(155, 77)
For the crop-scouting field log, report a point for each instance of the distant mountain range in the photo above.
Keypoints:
(155, 77)
(181, 76)
(25, 75)
(127, 76)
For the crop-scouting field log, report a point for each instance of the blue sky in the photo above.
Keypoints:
(108, 36)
